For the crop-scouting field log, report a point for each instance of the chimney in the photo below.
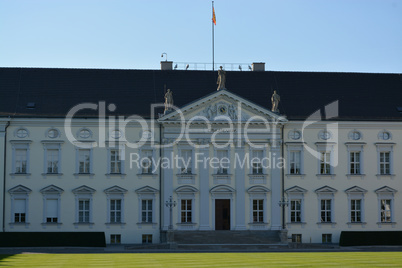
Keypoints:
(166, 65)
(258, 66)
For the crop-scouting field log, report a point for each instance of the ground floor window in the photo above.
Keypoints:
(186, 210)
(147, 239)
(258, 210)
(326, 238)
(296, 238)
(115, 239)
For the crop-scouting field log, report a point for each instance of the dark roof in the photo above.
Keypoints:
(47, 92)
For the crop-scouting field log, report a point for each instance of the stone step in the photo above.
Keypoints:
(231, 247)
(226, 237)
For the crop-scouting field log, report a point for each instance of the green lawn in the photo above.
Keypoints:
(332, 259)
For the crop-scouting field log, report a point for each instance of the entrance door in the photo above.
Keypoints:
(222, 214)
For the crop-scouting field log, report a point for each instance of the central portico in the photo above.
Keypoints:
(227, 174)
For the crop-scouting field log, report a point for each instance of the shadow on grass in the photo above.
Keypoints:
(3, 257)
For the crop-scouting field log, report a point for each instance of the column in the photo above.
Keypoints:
(203, 171)
(167, 191)
(240, 189)
(276, 183)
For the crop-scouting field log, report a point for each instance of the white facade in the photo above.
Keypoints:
(336, 176)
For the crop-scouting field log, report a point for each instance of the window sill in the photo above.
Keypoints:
(84, 174)
(27, 175)
(349, 176)
(222, 178)
(326, 223)
(301, 176)
(319, 176)
(77, 224)
(45, 224)
(296, 222)
(391, 176)
(25, 224)
(147, 175)
(184, 178)
(52, 174)
(258, 178)
(350, 224)
(392, 223)
(121, 175)
(146, 224)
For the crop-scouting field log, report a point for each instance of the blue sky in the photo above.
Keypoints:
(299, 35)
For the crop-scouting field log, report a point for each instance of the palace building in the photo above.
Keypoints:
(114, 151)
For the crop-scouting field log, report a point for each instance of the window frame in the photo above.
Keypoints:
(51, 192)
(258, 192)
(386, 193)
(83, 193)
(115, 193)
(381, 149)
(19, 192)
(20, 145)
(52, 145)
(147, 193)
(328, 194)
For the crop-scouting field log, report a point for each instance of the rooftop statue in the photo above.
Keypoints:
(221, 78)
(168, 101)
(275, 102)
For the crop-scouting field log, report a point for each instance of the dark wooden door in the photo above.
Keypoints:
(222, 214)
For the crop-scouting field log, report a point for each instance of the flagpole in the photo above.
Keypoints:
(213, 41)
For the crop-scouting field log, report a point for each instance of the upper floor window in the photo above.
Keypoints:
(84, 161)
(223, 167)
(294, 162)
(354, 164)
(256, 161)
(147, 161)
(325, 162)
(115, 161)
(52, 157)
(186, 161)
(385, 163)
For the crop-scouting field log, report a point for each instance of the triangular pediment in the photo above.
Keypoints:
(386, 189)
(146, 190)
(222, 189)
(19, 189)
(186, 189)
(326, 189)
(296, 190)
(115, 190)
(51, 189)
(83, 190)
(222, 106)
(258, 189)
(356, 189)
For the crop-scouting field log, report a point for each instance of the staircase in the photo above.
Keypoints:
(228, 240)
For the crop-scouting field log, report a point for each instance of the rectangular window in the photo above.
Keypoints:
(115, 210)
(325, 166)
(147, 166)
(386, 210)
(294, 162)
(355, 210)
(385, 163)
(186, 210)
(147, 239)
(186, 161)
(146, 211)
(52, 161)
(21, 161)
(326, 238)
(258, 210)
(52, 207)
(84, 161)
(296, 238)
(83, 211)
(354, 162)
(115, 239)
(326, 210)
(223, 161)
(295, 210)
(257, 161)
(115, 162)
(19, 210)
